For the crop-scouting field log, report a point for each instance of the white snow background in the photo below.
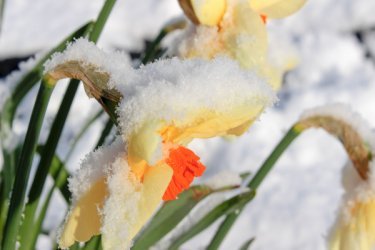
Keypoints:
(296, 205)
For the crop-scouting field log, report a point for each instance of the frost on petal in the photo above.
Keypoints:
(199, 41)
(355, 226)
(204, 98)
(131, 203)
(276, 8)
(121, 207)
(94, 167)
(89, 190)
(241, 36)
(115, 64)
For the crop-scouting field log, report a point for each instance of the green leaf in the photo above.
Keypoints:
(84, 128)
(258, 178)
(15, 211)
(2, 3)
(59, 174)
(169, 215)
(227, 207)
(35, 74)
(60, 177)
(94, 243)
(247, 244)
(105, 132)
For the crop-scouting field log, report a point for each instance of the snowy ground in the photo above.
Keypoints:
(296, 206)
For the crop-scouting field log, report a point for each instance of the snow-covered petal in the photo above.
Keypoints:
(83, 220)
(131, 203)
(356, 230)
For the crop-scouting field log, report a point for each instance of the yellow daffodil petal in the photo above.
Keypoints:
(144, 147)
(208, 124)
(155, 182)
(359, 231)
(84, 220)
(131, 203)
(209, 12)
(245, 37)
(276, 8)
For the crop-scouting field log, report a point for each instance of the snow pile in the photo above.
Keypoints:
(170, 90)
(117, 64)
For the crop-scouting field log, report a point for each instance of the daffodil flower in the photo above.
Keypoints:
(355, 227)
(235, 28)
(165, 105)
(128, 195)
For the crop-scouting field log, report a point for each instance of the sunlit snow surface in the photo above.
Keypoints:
(296, 205)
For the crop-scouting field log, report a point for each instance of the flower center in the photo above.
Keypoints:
(186, 166)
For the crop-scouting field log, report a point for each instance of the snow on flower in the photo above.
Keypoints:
(164, 106)
(235, 28)
(355, 225)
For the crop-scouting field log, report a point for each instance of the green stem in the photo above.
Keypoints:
(59, 176)
(24, 166)
(41, 174)
(266, 167)
(28, 234)
(229, 206)
(223, 230)
(7, 177)
(106, 130)
(22, 88)
(101, 20)
(94, 243)
(151, 50)
(258, 178)
(81, 133)
(31, 78)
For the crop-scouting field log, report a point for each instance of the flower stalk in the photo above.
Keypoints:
(354, 144)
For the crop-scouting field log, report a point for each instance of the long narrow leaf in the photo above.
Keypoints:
(169, 215)
(247, 244)
(83, 130)
(34, 75)
(60, 177)
(43, 167)
(24, 166)
(27, 234)
(7, 115)
(2, 4)
(94, 243)
(231, 218)
(222, 209)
